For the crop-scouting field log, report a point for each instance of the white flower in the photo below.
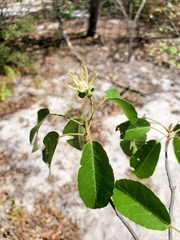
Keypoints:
(82, 81)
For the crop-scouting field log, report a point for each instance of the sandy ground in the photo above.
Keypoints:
(31, 206)
(26, 189)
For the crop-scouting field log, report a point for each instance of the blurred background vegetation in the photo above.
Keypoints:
(159, 19)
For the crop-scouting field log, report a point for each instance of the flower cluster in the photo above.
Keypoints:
(82, 84)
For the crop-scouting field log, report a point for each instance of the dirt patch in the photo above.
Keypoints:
(46, 221)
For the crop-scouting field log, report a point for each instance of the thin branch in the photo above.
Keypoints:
(172, 188)
(94, 110)
(130, 29)
(175, 28)
(139, 10)
(121, 7)
(63, 31)
(123, 220)
(130, 9)
(134, 27)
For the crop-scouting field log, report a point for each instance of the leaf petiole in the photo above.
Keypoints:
(70, 134)
(64, 116)
(176, 229)
(156, 122)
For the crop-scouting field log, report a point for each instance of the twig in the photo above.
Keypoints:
(62, 29)
(133, 28)
(134, 23)
(63, 32)
(139, 10)
(121, 7)
(124, 221)
(176, 29)
(172, 188)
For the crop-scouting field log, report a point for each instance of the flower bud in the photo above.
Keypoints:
(81, 94)
(92, 88)
(89, 94)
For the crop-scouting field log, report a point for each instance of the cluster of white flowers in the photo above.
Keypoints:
(82, 84)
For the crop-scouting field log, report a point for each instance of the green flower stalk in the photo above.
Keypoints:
(82, 84)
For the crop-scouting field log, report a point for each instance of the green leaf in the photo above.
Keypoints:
(41, 116)
(112, 93)
(173, 50)
(138, 203)
(176, 129)
(127, 107)
(126, 147)
(176, 142)
(137, 130)
(95, 176)
(144, 161)
(130, 147)
(160, 10)
(176, 146)
(50, 141)
(122, 128)
(134, 135)
(73, 127)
